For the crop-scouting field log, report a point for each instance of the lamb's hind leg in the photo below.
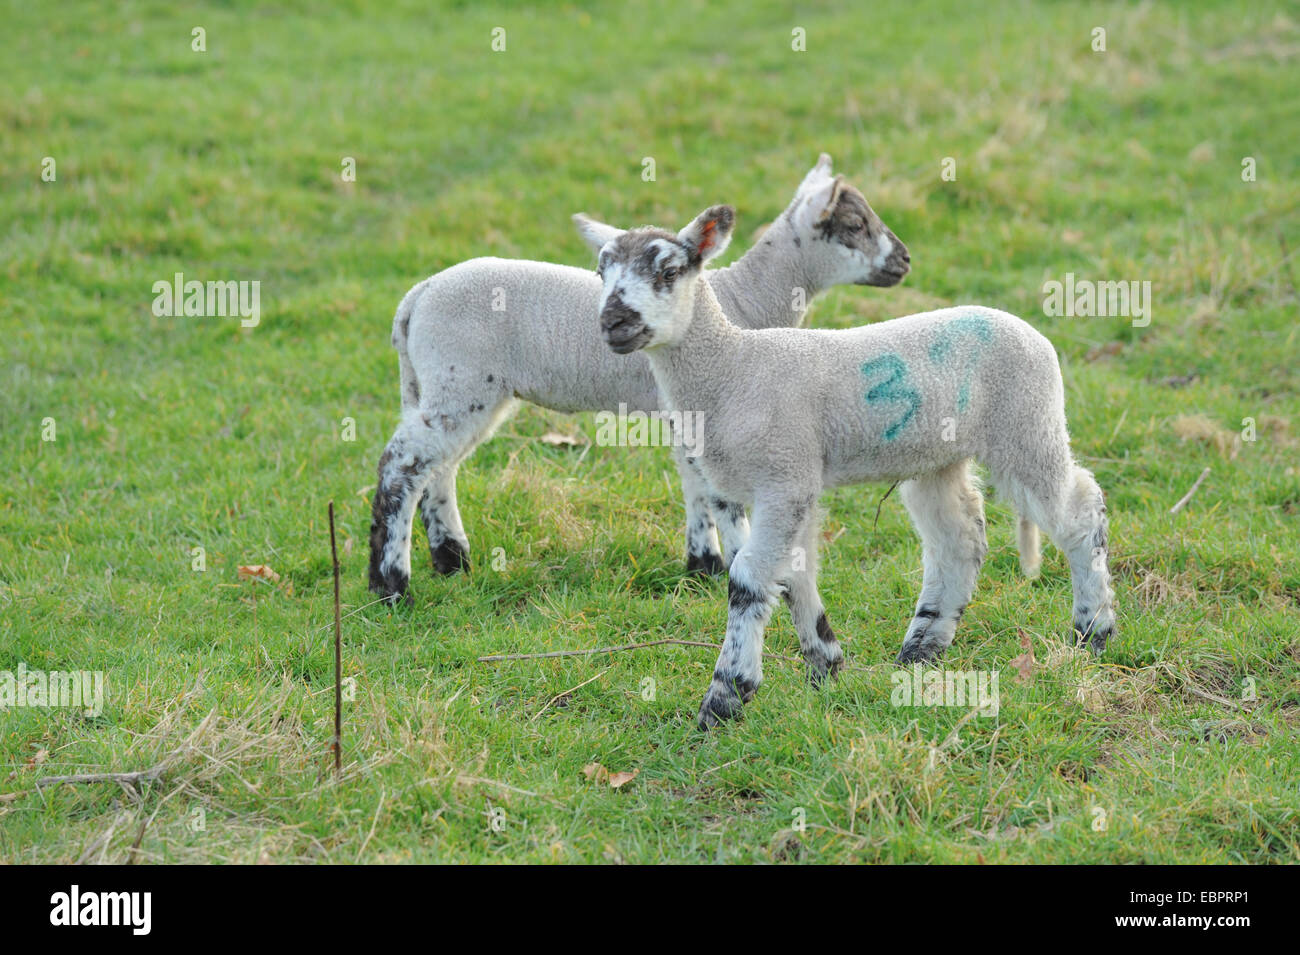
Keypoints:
(448, 545)
(448, 542)
(702, 554)
(756, 577)
(427, 446)
(403, 471)
(948, 511)
(465, 430)
(1077, 523)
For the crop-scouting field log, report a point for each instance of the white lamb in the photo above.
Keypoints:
(479, 337)
(791, 412)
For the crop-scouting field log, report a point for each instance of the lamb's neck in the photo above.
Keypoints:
(687, 370)
(760, 286)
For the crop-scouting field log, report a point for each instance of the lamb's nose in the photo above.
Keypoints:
(615, 313)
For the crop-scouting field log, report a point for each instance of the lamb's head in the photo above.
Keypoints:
(839, 235)
(649, 276)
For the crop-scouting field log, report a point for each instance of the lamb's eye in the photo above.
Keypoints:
(857, 226)
(669, 274)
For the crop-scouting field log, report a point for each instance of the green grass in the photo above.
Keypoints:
(175, 433)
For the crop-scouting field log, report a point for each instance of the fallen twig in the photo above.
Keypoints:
(471, 780)
(126, 779)
(881, 503)
(586, 653)
(498, 657)
(1222, 701)
(1188, 496)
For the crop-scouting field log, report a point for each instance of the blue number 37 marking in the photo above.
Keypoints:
(894, 388)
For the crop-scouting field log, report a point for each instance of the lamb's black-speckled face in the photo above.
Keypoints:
(839, 236)
(642, 271)
(874, 253)
(648, 276)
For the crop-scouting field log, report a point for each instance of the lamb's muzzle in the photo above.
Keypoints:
(895, 262)
(622, 327)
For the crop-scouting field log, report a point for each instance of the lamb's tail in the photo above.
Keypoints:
(401, 330)
(1030, 545)
(402, 318)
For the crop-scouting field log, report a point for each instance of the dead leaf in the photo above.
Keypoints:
(597, 773)
(261, 571)
(557, 440)
(40, 756)
(622, 779)
(347, 547)
(1024, 663)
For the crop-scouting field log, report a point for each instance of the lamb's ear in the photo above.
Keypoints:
(817, 176)
(596, 234)
(709, 234)
(820, 202)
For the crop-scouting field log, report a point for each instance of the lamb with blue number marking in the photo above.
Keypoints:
(791, 412)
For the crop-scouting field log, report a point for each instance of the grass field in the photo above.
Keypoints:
(180, 433)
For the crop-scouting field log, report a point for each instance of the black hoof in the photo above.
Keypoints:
(724, 701)
(825, 658)
(705, 565)
(393, 586)
(393, 591)
(449, 557)
(918, 652)
(1094, 640)
(718, 707)
(820, 671)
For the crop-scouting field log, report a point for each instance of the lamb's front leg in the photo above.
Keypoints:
(821, 651)
(702, 554)
(753, 591)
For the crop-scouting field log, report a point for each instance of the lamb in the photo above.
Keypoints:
(479, 337)
(791, 412)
